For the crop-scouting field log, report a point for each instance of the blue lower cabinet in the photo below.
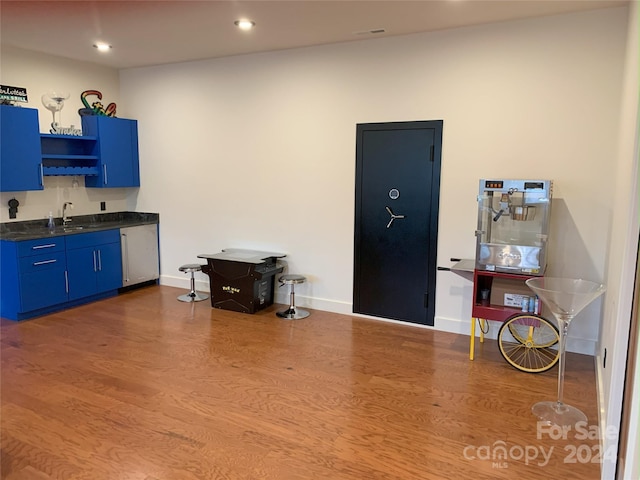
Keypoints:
(82, 268)
(45, 275)
(32, 276)
(94, 263)
(43, 281)
(109, 275)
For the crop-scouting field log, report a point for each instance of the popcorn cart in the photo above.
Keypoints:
(511, 247)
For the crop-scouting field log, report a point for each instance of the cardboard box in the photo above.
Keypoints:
(509, 293)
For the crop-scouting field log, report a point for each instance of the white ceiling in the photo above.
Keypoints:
(151, 32)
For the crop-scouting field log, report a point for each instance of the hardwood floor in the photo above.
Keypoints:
(143, 387)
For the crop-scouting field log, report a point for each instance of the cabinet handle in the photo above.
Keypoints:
(99, 260)
(38, 247)
(95, 267)
(44, 262)
(104, 169)
(126, 257)
(41, 179)
(66, 281)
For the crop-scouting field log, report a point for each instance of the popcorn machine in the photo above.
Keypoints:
(513, 226)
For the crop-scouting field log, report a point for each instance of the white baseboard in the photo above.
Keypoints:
(575, 345)
(184, 282)
(282, 296)
(607, 469)
(443, 324)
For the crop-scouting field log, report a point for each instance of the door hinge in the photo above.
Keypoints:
(426, 300)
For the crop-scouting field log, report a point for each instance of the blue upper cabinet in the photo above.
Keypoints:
(117, 151)
(20, 154)
(106, 153)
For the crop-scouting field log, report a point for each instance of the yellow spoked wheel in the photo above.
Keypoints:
(526, 342)
(521, 333)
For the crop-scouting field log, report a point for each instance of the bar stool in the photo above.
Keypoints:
(292, 313)
(192, 296)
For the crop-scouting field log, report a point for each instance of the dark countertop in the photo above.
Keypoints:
(34, 229)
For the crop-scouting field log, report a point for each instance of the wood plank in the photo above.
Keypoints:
(144, 387)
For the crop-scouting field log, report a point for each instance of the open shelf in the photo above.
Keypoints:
(67, 138)
(69, 155)
(494, 312)
(61, 171)
(492, 308)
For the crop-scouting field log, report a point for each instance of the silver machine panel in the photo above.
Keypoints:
(513, 225)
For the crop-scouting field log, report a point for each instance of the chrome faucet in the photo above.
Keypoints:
(65, 218)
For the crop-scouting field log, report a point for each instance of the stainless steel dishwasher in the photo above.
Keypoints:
(140, 261)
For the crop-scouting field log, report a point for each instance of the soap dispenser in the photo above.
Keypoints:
(51, 225)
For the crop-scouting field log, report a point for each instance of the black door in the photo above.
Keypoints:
(396, 219)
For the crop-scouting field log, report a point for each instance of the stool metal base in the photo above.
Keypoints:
(293, 313)
(193, 297)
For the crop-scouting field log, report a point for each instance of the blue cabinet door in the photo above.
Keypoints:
(82, 265)
(119, 164)
(20, 153)
(32, 276)
(94, 263)
(44, 285)
(109, 275)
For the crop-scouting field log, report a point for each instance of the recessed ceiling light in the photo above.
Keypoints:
(102, 47)
(244, 24)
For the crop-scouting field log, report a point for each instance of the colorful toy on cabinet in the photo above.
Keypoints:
(95, 108)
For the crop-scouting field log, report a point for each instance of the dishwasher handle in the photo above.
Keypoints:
(125, 253)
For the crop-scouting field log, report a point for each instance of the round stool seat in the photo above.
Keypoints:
(293, 312)
(192, 296)
(291, 279)
(190, 267)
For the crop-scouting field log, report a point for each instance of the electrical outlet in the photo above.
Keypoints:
(103, 206)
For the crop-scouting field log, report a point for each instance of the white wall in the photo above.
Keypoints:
(39, 74)
(258, 151)
(622, 257)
